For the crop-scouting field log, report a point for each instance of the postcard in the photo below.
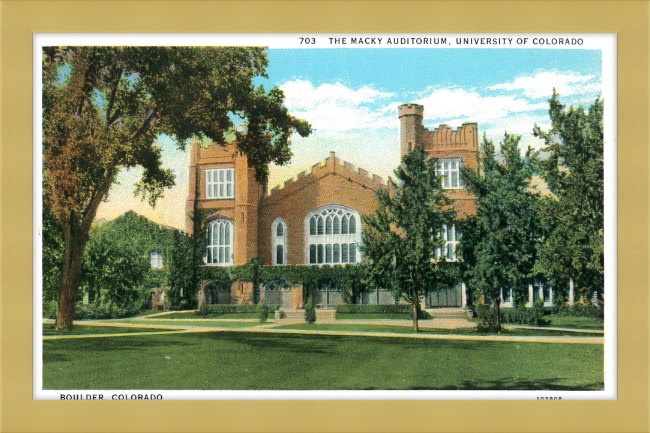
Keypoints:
(325, 216)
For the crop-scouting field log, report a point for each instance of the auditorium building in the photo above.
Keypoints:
(315, 217)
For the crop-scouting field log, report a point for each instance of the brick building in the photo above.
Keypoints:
(315, 217)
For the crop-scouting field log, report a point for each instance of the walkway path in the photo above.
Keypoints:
(271, 327)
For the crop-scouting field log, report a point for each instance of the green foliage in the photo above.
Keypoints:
(591, 311)
(114, 103)
(217, 310)
(524, 316)
(117, 264)
(52, 255)
(50, 309)
(109, 311)
(500, 243)
(310, 312)
(574, 173)
(353, 309)
(401, 239)
(262, 312)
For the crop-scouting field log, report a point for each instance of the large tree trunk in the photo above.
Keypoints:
(76, 234)
(75, 244)
(497, 314)
(415, 314)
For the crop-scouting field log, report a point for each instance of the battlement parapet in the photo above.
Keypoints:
(410, 109)
(320, 169)
(443, 136)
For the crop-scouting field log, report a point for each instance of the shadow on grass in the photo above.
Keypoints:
(302, 344)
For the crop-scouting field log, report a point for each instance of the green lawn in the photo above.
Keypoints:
(48, 329)
(574, 322)
(409, 330)
(236, 360)
(218, 323)
(212, 316)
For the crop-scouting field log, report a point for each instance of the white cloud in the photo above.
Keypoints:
(335, 108)
(541, 84)
(456, 104)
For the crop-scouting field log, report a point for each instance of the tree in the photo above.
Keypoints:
(103, 108)
(574, 173)
(499, 245)
(117, 268)
(401, 239)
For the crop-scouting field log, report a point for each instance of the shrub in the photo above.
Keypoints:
(356, 308)
(106, 311)
(262, 312)
(310, 312)
(50, 310)
(219, 309)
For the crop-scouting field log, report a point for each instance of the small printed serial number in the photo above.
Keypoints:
(549, 398)
(309, 41)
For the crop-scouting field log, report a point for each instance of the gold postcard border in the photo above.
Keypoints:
(19, 20)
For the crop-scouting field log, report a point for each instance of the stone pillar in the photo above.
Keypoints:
(463, 296)
(570, 291)
(531, 297)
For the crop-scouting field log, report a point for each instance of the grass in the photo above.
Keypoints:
(253, 361)
(217, 323)
(48, 330)
(211, 316)
(576, 322)
(437, 331)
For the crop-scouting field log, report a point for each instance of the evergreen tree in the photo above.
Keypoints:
(574, 173)
(499, 245)
(401, 239)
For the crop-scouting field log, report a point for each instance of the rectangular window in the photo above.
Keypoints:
(336, 253)
(220, 183)
(156, 260)
(344, 253)
(449, 169)
(353, 253)
(328, 253)
(312, 254)
(320, 253)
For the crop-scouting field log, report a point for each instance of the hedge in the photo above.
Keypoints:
(92, 311)
(219, 309)
(355, 308)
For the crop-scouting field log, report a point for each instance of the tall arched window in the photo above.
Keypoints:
(279, 242)
(332, 236)
(220, 251)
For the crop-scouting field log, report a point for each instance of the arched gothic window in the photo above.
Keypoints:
(331, 236)
(279, 242)
(220, 250)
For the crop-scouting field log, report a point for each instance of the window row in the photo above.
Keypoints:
(342, 224)
(220, 183)
(332, 254)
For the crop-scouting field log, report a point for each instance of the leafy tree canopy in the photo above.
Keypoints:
(575, 174)
(103, 108)
(117, 266)
(499, 244)
(401, 239)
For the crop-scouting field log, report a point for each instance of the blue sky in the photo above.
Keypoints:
(351, 96)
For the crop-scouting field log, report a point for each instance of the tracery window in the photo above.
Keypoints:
(332, 235)
(220, 251)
